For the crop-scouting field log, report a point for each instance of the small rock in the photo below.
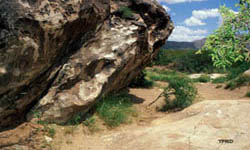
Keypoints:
(48, 139)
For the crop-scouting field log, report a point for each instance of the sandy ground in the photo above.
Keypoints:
(209, 91)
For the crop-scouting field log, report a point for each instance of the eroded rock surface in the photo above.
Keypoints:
(58, 57)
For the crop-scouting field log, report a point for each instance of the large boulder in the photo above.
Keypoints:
(58, 57)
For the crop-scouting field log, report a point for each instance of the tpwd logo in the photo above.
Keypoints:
(226, 141)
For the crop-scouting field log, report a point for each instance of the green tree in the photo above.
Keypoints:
(230, 43)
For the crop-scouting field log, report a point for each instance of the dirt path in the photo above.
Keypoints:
(209, 91)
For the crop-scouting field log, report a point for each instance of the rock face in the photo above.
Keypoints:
(59, 56)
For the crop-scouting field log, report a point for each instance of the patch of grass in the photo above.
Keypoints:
(203, 78)
(126, 12)
(91, 124)
(157, 77)
(115, 109)
(51, 132)
(163, 75)
(220, 80)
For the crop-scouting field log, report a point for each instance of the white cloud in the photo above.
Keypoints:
(182, 33)
(179, 1)
(206, 13)
(199, 15)
(192, 21)
(166, 8)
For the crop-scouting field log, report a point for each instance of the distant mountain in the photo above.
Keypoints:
(195, 45)
(199, 43)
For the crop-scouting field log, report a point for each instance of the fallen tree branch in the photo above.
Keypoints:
(160, 95)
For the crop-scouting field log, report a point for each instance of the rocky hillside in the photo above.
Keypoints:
(195, 45)
(58, 57)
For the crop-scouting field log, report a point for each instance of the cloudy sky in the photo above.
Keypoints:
(195, 19)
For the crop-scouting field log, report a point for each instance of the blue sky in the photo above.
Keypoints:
(195, 19)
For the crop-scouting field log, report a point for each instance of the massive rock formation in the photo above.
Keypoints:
(59, 56)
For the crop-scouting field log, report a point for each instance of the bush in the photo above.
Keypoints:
(115, 109)
(179, 85)
(237, 82)
(184, 92)
(233, 75)
(237, 69)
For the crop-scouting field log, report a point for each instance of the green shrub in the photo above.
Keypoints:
(234, 74)
(115, 109)
(184, 92)
(237, 82)
(179, 85)
(141, 82)
(203, 79)
(126, 12)
(237, 69)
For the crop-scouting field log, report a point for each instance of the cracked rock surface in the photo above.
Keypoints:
(58, 57)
